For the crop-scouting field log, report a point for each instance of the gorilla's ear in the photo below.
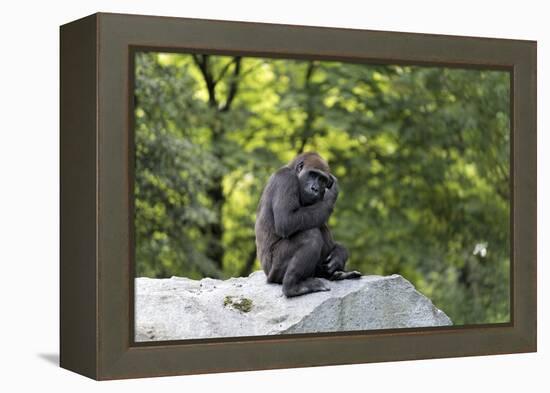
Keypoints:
(331, 179)
(299, 167)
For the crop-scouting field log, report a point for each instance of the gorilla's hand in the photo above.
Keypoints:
(333, 265)
(334, 262)
(333, 268)
(331, 194)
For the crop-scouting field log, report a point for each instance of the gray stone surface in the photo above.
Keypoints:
(180, 308)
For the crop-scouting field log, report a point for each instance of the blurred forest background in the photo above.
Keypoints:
(421, 153)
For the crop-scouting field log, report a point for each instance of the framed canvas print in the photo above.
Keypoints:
(241, 196)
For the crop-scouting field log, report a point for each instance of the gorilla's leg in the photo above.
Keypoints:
(300, 269)
(342, 275)
(292, 288)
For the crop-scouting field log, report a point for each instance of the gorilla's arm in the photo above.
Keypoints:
(288, 215)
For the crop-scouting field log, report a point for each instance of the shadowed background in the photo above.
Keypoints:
(421, 153)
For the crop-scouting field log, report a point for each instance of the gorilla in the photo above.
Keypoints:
(293, 241)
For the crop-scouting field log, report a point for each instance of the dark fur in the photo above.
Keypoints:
(293, 241)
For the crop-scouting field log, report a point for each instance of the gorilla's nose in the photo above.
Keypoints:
(315, 188)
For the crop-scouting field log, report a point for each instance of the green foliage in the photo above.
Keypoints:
(422, 155)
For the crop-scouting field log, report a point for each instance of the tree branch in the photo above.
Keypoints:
(224, 70)
(234, 85)
(202, 62)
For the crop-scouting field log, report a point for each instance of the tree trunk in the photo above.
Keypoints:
(249, 263)
(307, 131)
(215, 250)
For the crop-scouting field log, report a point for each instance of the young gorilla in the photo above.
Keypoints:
(293, 241)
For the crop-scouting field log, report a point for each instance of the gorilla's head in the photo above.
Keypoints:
(314, 176)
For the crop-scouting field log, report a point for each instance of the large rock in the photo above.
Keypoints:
(180, 308)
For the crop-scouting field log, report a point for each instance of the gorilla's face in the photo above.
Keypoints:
(313, 183)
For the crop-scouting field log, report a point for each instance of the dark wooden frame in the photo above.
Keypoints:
(97, 181)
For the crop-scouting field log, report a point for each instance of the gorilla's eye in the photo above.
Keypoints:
(321, 179)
